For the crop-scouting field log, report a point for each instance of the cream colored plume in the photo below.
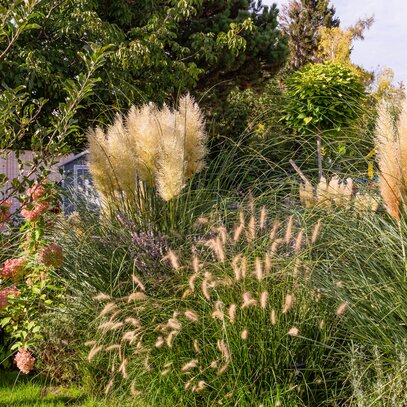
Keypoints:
(100, 164)
(170, 178)
(121, 156)
(193, 124)
(389, 160)
(307, 197)
(161, 147)
(323, 193)
(143, 130)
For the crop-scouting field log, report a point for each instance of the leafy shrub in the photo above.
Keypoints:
(26, 287)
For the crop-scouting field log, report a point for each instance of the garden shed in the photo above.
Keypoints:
(76, 181)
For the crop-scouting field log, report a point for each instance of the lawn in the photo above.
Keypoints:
(34, 391)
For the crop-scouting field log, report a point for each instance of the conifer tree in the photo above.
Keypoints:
(301, 21)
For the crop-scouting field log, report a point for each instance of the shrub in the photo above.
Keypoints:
(26, 289)
(323, 99)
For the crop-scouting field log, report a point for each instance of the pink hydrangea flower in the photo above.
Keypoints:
(4, 294)
(13, 269)
(51, 256)
(5, 210)
(25, 361)
(37, 191)
(34, 214)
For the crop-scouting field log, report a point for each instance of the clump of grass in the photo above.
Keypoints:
(243, 327)
(151, 147)
(362, 268)
(377, 383)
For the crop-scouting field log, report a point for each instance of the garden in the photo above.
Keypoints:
(244, 238)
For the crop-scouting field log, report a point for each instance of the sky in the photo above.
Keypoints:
(385, 44)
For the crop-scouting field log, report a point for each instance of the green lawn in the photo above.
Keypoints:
(17, 390)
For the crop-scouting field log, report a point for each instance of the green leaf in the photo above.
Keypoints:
(5, 321)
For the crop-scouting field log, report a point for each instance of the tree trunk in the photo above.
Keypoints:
(319, 155)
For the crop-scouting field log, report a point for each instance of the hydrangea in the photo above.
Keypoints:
(51, 256)
(5, 210)
(13, 269)
(37, 191)
(25, 361)
(34, 214)
(4, 294)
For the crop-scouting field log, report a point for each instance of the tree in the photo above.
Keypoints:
(301, 21)
(158, 50)
(322, 99)
(336, 46)
(22, 107)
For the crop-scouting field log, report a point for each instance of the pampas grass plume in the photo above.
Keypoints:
(388, 157)
(143, 131)
(195, 137)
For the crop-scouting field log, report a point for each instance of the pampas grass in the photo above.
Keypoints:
(160, 147)
(391, 152)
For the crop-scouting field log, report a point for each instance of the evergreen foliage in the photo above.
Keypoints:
(302, 20)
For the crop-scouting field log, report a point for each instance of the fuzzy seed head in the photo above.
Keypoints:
(289, 230)
(189, 365)
(244, 334)
(248, 300)
(315, 232)
(264, 296)
(263, 217)
(191, 315)
(102, 297)
(341, 309)
(173, 258)
(288, 303)
(93, 352)
(197, 349)
(293, 331)
(258, 271)
(137, 281)
(273, 317)
(232, 313)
